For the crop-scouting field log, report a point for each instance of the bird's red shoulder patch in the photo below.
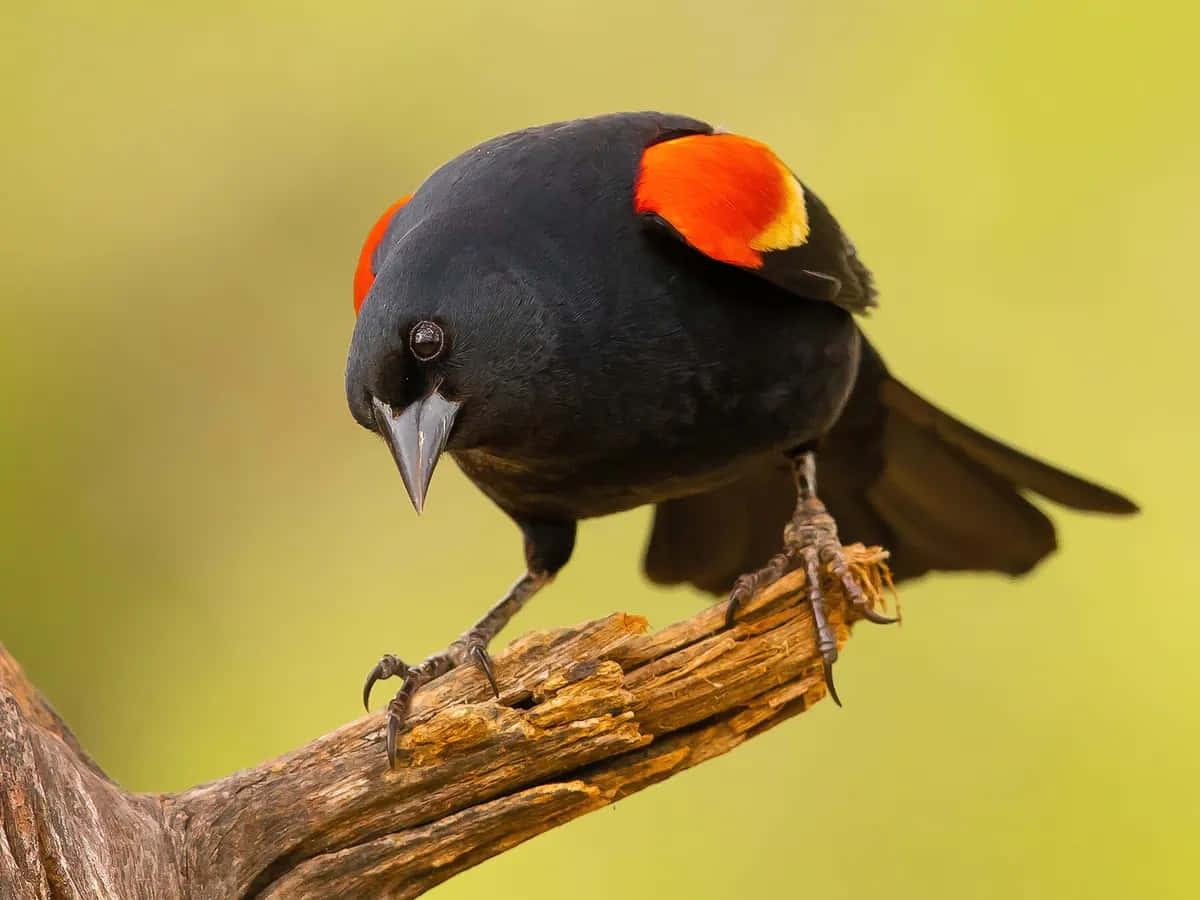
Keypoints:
(364, 274)
(727, 196)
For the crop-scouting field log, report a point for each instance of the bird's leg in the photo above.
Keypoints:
(810, 540)
(547, 548)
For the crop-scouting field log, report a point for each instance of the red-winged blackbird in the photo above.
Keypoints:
(604, 313)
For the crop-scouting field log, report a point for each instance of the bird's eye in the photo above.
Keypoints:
(426, 340)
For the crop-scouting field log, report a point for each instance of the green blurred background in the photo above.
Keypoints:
(201, 554)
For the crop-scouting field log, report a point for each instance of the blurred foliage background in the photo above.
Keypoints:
(201, 554)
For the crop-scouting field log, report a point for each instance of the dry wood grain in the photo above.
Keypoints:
(587, 715)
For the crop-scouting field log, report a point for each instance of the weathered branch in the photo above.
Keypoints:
(588, 715)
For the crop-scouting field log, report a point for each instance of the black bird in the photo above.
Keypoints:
(599, 314)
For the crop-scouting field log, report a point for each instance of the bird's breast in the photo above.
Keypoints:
(684, 413)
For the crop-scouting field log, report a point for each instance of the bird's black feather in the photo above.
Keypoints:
(599, 364)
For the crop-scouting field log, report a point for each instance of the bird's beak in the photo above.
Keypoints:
(416, 436)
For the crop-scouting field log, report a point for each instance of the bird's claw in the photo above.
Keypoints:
(469, 648)
(820, 546)
(833, 694)
(387, 666)
(396, 714)
(869, 613)
(399, 706)
(852, 589)
(742, 591)
(811, 541)
(483, 662)
(746, 585)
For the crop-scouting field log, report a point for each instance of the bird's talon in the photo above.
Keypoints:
(855, 593)
(393, 727)
(372, 677)
(736, 598)
(387, 666)
(829, 684)
(470, 647)
(746, 585)
(878, 618)
(397, 712)
(483, 662)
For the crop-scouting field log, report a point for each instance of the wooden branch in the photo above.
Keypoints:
(588, 715)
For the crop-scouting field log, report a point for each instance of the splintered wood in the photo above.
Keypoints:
(587, 715)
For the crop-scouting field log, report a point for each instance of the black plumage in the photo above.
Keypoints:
(579, 359)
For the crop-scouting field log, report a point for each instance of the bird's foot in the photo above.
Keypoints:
(471, 648)
(811, 542)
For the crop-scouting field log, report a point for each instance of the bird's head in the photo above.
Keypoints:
(480, 322)
(447, 340)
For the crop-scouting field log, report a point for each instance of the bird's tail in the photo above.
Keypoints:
(895, 471)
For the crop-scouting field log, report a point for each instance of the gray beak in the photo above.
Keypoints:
(416, 436)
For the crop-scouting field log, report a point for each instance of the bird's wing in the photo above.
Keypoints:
(732, 199)
(894, 471)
